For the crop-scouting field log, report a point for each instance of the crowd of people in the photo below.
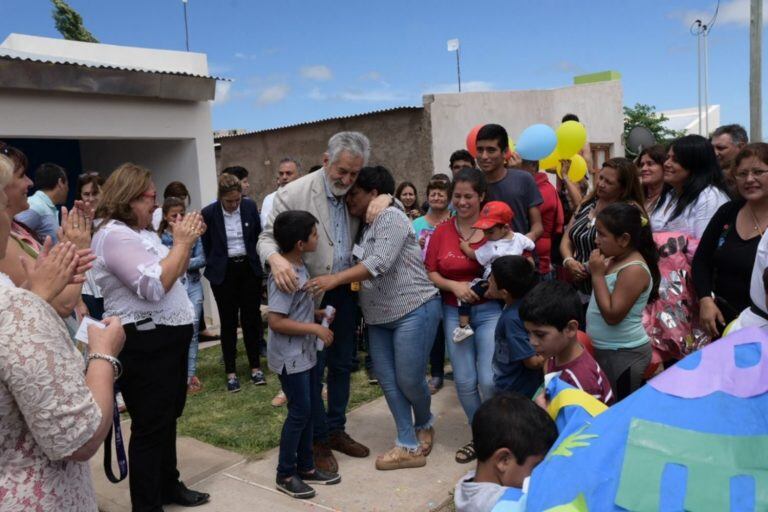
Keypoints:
(510, 271)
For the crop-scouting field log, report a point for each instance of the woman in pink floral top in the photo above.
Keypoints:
(53, 417)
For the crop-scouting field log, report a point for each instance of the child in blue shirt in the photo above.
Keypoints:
(292, 355)
(516, 366)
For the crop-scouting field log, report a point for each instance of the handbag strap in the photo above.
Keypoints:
(122, 460)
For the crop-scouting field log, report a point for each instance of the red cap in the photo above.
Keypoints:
(494, 212)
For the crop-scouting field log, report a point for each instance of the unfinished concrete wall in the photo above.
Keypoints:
(400, 141)
(452, 116)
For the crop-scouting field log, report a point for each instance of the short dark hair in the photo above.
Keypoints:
(291, 227)
(551, 303)
(176, 189)
(240, 172)
(462, 154)
(494, 132)
(514, 274)
(88, 178)
(47, 175)
(513, 421)
(736, 131)
(314, 168)
(570, 117)
(376, 178)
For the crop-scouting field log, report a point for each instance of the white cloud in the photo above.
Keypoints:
(320, 73)
(317, 95)
(273, 94)
(223, 90)
(733, 12)
(373, 95)
(373, 76)
(471, 86)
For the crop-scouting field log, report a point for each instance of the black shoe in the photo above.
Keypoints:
(180, 495)
(233, 385)
(294, 487)
(321, 477)
(258, 379)
(372, 380)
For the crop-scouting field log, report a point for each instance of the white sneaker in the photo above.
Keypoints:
(462, 333)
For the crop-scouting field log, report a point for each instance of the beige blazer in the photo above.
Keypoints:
(308, 194)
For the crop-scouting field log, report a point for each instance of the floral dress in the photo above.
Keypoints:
(46, 410)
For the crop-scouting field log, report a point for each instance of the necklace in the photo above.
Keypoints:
(461, 233)
(758, 225)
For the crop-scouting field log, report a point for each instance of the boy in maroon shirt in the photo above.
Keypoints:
(550, 314)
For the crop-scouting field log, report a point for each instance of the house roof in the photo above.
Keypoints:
(317, 121)
(18, 55)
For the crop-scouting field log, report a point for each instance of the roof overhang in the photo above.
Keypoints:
(25, 74)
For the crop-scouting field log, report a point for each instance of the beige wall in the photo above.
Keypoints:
(452, 116)
(400, 141)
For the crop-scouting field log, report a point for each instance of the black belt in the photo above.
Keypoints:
(756, 310)
(238, 259)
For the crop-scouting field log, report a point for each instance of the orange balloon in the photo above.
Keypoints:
(472, 140)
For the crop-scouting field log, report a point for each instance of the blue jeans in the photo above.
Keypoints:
(195, 294)
(472, 359)
(400, 351)
(338, 358)
(296, 436)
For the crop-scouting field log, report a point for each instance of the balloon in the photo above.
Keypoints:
(472, 140)
(551, 162)
(510, 149)
(571, 137)
(578, 168)
(536, 142)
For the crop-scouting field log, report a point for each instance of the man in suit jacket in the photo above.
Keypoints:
(234, 271)
(322, 193)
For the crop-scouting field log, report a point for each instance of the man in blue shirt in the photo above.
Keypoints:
(52, 188)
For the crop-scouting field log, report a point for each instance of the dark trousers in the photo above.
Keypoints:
(296, 436)
(338, 358)
(154, 386)
(95, 306)
(239, 295)
(437, 354)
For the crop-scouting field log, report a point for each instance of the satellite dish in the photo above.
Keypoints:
(639, 138)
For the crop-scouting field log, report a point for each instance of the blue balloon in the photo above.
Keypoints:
(536, 142)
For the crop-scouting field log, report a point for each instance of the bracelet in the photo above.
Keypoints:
(115, 362)
(567, 259)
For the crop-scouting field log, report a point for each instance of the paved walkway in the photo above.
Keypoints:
(236, 484)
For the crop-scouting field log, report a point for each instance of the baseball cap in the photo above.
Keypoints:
(494, 212)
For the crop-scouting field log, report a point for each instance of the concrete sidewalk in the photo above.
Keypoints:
(236, 484)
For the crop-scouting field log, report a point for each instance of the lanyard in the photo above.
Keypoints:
(122, 461)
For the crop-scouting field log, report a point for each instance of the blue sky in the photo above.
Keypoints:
(294, 61)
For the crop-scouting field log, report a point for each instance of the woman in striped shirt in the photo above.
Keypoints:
(402, 309)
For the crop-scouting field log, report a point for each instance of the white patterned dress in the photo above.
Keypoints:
(46, 410)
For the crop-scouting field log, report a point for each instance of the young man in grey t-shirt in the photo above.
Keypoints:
(292, 356)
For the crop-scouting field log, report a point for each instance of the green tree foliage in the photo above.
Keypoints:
(69, 23)
(646, 115)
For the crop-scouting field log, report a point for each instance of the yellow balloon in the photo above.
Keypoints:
(551, 161)
(571, 137)
(578, 168)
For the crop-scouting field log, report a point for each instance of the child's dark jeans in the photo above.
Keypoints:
(480, 287)
(296, 437)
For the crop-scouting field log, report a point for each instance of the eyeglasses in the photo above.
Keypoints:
(88, 174)
(757, 173)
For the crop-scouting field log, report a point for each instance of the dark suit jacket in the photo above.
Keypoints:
(215, 239)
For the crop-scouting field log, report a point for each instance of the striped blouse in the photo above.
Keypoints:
(399, 282)
(582, 236)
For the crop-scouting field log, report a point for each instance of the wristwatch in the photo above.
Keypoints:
(115, 362)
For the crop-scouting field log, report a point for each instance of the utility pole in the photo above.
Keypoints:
(755, 71)
(186, 26)
(454, 46)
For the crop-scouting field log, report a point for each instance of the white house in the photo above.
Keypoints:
(100, 105)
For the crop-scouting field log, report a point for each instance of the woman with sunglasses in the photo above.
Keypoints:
(173, 211)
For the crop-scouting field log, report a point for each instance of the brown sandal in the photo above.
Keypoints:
(466, 453)
(426, 439)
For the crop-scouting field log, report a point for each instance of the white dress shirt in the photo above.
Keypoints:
(127, 270)
(233, 226)
(266, 208)
(694, 219)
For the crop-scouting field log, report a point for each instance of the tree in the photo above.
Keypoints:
(646, 115)
(70, 24)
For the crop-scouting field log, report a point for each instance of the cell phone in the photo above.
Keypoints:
(146, 325)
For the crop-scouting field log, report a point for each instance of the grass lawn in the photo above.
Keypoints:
(244, 422)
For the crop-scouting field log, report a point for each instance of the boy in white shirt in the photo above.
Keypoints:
(496, 222)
